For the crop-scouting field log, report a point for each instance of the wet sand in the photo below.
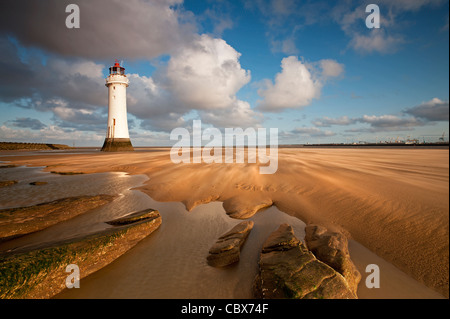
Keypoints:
(392, 201)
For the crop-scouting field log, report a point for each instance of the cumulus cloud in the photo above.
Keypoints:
(156, 27)
(206, 74)
(26, 122)
(433, 110)
(297, 84)
(294, 87)
(203, 77)
(150, 102)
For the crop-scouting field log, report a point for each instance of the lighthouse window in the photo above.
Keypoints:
(114, 87)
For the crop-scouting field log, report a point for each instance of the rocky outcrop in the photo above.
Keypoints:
(332, 249)
(20, 221)
(40, 271)
(227, 248)
(288, 270)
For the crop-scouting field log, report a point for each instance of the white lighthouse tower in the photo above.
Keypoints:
(117, 137)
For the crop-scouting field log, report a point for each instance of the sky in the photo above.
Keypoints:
(312, 69)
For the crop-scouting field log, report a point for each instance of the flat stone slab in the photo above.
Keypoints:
(227, 248)
(15, 222)
(40, 271)
(288, 270)
(135, 217)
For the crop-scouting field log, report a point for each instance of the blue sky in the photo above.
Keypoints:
(312, 69)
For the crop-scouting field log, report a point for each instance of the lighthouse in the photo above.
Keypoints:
(117, 137)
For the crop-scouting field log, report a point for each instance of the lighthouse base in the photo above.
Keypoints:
(117, 145)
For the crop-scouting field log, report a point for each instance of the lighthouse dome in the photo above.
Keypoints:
(117, 69)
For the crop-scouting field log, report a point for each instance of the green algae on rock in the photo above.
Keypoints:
(20, 221)
(226, 250)
(288, 270)
(332, 249)
(40, 272)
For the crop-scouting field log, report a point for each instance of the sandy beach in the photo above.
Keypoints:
(392, 201)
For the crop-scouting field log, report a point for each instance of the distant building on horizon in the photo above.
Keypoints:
(117, 136)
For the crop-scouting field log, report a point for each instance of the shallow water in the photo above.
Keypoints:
(171, 262)
(60, 186)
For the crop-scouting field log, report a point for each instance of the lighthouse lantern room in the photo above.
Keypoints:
(117, 137)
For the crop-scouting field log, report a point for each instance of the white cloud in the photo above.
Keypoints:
(331, 68)
(294, 87)
(376, 41)
(297, 84)
(202, 77)
(433, 110)
(206, 74)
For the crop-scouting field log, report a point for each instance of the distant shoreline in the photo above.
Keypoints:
(15, 146)
(370, 145)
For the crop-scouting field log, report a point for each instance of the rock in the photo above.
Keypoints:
(40, 271)
(135, 217)
(227, 248)
(38, 183)
(332, 249)
(20, 221)
(288, 270)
